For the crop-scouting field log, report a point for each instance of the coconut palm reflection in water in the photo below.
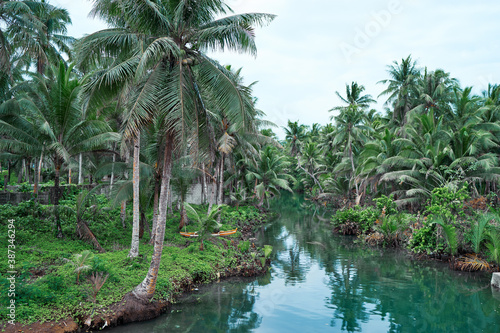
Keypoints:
(325, 282)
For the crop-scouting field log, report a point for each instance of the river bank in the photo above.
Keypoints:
(449, 228)
(324, 282)
(51, 298)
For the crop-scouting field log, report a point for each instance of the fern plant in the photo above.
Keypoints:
(478, 231)
(450, 234)
(494, 246)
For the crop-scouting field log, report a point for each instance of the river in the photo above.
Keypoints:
(322, 282)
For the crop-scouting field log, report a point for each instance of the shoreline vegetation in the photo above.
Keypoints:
(66, 285)
(452, 228)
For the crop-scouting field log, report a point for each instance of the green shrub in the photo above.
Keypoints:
(424, 240)
(25, 188)
(447, 203)
(388, 203)
(355, 220)
(244, 246)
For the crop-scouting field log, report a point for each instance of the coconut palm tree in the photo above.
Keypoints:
(309, 162)
(435, 91)
(423, 160)
(159, 49)
(13, 15)
(269, 175)
(401, 87)
(350, 127)
(377, 155)
(295, 135)
(354, 97)
(207, 222)
(46, 41)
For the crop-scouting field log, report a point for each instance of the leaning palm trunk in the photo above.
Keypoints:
(155, 209)
(146, 289)
(134, 248)
(144, 225)
(83, 231)
(311, 175)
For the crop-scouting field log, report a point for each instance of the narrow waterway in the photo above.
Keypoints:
(320, 282)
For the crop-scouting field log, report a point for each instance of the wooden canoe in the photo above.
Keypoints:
(220, 233)
(225, 233)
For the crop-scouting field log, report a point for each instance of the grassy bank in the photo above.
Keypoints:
(51, 284)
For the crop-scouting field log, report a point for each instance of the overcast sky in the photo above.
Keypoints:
(313, 48)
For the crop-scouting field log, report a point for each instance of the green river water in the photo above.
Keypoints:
(321, 282)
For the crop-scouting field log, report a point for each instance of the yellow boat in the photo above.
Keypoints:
(220, 233)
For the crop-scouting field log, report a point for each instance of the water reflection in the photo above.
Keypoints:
(325, 282)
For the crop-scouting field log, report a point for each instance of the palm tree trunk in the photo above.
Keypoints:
(20, 174)
(112, 180)
(134, 248)
(312, 176)
(354, 173)
(182, 223)
(80, 175)
(212, 190)
(9, 170)
(40, 168)
(31, 178)
(220, 186)
(204, 182)
(144, 225)
(146, 289)
(83, 231)
(123, 213)
(36, 176)
(57, 164)
(261, 201)
(69, 176)
(155, 209)
(26, 174)
(141, 224)
(170, 201)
